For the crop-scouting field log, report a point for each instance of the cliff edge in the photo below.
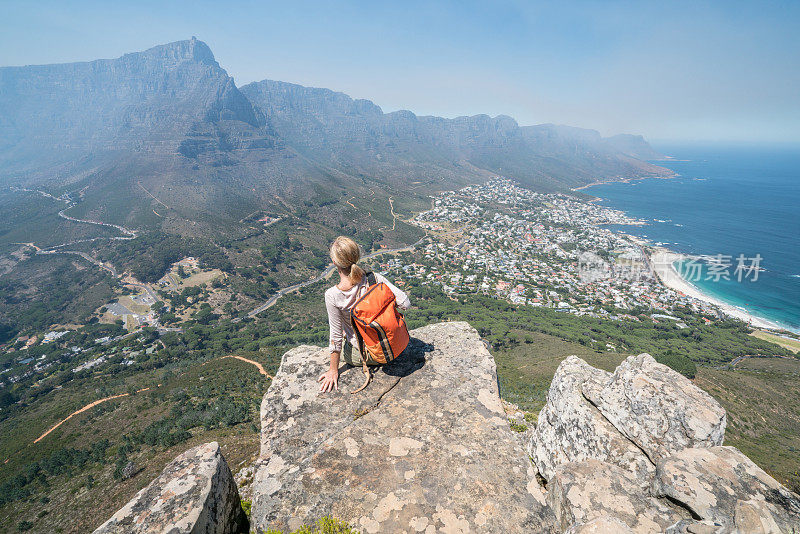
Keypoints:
(427, 448)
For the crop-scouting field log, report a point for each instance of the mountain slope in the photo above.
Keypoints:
(145, 101)
(634, 146)
(163, 141)
(163, 127)
(335, 128)
(169, 124)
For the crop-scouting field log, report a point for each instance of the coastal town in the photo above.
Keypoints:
(539, 249)
(498, 239)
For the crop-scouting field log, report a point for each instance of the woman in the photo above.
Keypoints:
(339, 300)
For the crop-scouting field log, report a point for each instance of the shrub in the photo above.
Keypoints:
(679, 363)
(326, 525)
(247, 507)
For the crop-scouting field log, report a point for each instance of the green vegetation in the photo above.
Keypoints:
(194, 396)
(680, 363)
(186, 415)
(762, 398)
(518, 427)
(504, 325)
(79, 467)
(247, 507)
(64, 460)
(150, 255)
(326, 525)
(46, 290)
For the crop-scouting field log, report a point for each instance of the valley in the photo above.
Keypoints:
(173, 244)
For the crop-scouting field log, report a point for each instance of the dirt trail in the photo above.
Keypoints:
(80, 411)
(258, 365)
(151, 195)
(394, 215)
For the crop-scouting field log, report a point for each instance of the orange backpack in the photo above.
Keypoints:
(380, 328)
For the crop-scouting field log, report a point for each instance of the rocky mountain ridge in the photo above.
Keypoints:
(428, 448)
(328, 124)
(145, 101)
(173, 119)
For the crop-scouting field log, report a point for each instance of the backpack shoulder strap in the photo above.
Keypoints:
(371, 278)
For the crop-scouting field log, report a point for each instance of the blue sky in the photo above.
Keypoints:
(670, 70)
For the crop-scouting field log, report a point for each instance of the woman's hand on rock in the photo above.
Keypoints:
(330, 380)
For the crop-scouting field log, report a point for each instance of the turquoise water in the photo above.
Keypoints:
(729, 201)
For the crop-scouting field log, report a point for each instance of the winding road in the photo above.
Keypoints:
(128, 234)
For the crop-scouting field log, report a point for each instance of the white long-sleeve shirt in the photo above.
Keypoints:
(339, 303)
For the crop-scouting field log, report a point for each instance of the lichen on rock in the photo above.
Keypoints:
(583, 446)
(722, 485)
(430, 450)
(570, 428)
(658, 409)
(195, 493)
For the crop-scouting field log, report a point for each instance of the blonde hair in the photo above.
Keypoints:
(345, 254)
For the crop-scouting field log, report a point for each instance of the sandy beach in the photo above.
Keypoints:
(662, 261)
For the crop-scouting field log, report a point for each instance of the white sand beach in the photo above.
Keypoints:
(662, 261)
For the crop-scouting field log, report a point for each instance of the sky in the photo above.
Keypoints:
(672, 71)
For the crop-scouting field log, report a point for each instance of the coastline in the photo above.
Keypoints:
(662, 261)
(662, 264)
(624, 181)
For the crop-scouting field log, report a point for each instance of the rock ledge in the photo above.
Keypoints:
(425, 448)
(194, 494)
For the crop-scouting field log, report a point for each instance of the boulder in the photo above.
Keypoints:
(129, 471)
(722, 485)
(571, 429)
(592, 492)
(195, 493)
(691, 526)
(658, 409)
(425, 448)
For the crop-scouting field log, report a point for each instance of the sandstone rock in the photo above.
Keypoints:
(426, 447)
(657, 408)
(571, 429)
(244, 481)
(722, 485)
(602, 525)
(194, 494)
(690, 526)
(586, 491)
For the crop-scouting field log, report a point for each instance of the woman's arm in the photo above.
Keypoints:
(330, 378)
(400, 296)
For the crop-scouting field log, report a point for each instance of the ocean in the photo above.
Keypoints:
(727, 201)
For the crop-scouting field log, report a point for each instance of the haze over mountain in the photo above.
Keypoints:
(172, 121)
(141, 101)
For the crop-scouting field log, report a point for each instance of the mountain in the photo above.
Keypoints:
(170, 123)
(147, 101)
(634, 146)
(337, 129)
